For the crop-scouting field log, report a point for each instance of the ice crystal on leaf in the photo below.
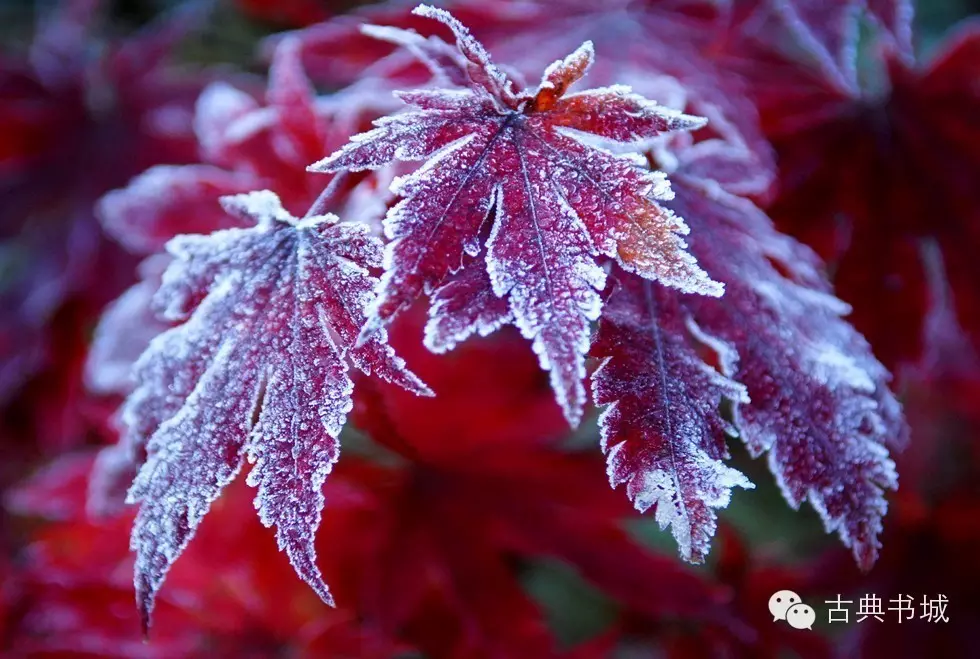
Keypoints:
(269, 314)
(525, 163)
(663, 430)
(820, 408)
(805, 390)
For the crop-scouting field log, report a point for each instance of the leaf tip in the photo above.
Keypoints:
(323, 166)
(683, 121)
(145, 601)
(302, 556)
(423, 390)
(370, 329)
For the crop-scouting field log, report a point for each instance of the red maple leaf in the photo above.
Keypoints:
(804, 385)
(663, 430)
(257, 367)
(558, 204)
(244, 145)
(820, 407)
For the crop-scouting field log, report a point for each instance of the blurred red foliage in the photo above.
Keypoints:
(442, 511)
(869, 174)
(80, 115)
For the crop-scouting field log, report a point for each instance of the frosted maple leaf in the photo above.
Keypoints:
(256, 369)
(521, 174)
(663, 429)
(804, 387)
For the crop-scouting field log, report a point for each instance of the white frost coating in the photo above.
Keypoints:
(821, 409)
(496, 85)
(561, 203)
(660, 488)
(829, 359)
(465, 306)
(284, 302)
(264, 205)
(552, 284)
(583, 56)
(662, 432)
(679, 268)
(641, 107)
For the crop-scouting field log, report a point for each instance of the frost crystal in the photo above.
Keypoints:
(819, 406)
(256, 369)
(662, 430)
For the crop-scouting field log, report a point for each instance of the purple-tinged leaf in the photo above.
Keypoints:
(558, 203)
(820, 406)
(466, 305)
(662, 431)
(256, 369)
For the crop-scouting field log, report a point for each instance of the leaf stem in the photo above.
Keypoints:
(323, 201)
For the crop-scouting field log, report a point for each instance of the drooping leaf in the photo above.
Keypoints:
(558, 203)
(244, 144)
(820, 408)
(257, 368)
(663, 431)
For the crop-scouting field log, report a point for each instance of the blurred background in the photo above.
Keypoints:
(528, 556)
